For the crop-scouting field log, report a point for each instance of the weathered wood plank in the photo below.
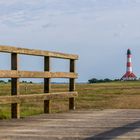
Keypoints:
(72, 85)
(31, 74)
(10, 49)
(47, 85)
(36, 97)
(15, 107)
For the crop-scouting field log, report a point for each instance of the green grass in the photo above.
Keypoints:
(114, 95)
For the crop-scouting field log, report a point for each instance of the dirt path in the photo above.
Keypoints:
(98, 125)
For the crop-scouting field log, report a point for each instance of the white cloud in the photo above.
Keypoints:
(99, 30)
(22, 12)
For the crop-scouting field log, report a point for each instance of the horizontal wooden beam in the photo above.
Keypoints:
(36, 97)
(10, 49)
(31, 74)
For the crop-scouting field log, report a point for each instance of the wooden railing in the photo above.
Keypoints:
(16, 99)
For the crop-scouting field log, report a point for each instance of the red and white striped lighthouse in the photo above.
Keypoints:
(129, 75)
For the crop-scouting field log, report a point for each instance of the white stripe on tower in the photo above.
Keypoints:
(129, 69)
(129, 60)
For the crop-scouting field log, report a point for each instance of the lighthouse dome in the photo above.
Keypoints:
(128, 52)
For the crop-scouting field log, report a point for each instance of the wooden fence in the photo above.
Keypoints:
(16, 99)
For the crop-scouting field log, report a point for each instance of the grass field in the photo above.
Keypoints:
(115, 95)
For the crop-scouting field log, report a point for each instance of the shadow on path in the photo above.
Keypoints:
(114, 133)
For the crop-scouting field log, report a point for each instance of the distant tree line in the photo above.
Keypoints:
(9, 81)
(94, 80)
(2, 81)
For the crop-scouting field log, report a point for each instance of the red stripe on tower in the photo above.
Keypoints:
(129, 64)
(129, 75)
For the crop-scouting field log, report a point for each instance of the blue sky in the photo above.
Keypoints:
(99, 31)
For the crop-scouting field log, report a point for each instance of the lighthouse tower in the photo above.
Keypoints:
(129, 75)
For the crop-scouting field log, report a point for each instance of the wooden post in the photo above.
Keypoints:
(15, 107)
(72, 85)
(47, 85)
